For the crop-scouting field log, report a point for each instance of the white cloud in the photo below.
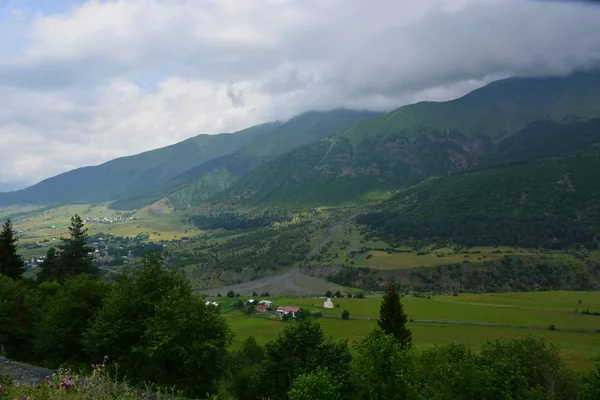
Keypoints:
(110, 78)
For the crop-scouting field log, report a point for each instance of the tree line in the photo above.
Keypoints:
(155, 330)
(476, 230)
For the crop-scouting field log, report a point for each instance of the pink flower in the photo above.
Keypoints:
(106, 357)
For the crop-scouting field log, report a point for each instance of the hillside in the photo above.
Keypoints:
(130, 175)
(209, 178)
(548, 203)
(377, 156)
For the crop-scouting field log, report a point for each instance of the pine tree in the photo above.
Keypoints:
(392, 318)
(50, 268)
(74, 256)
(11, 263)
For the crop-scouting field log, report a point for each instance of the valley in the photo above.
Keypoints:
(438, 320)
(489, 228)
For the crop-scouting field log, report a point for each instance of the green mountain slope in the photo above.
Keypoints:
(415, 142)
(204, 180)
(134, 174)
(549, 202)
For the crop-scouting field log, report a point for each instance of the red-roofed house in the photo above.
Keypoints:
(261, 308)
(282, 310)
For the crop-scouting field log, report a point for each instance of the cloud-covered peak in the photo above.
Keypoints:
(83, 82)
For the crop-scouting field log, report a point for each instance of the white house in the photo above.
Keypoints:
(267, 303)
(328, 303)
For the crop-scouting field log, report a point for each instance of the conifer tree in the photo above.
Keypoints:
(392, 318)
(50, 268)
(11, 263)
(74, 256)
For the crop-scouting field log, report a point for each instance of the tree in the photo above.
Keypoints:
(302, 349)
(74, 256)
(50, 268)
(338, 294)
(392, 318)
(231, 294)
(254, 294)
(65, 317)
(248, 309)
(14, 319)
(11, 263)
(319, 385)
(328, 294)
(345, 314)
(158, 330)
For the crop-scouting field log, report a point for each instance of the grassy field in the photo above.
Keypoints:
(46, 226)
(532, 309)
(348, 246)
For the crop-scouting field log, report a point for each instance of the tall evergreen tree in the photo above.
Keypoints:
(74, 256)
(50, 268)
(392, 318)
(11, 263)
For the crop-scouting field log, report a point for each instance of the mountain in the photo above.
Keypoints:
(206, 179)
(549, 202)
(378, 156)
(134, 174)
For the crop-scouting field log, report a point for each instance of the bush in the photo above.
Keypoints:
(345, 314)
(231, 294)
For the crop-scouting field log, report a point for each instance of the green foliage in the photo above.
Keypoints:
(302, 349)
(65, 313)
(345, 314)
(505, 369)
(242, 381)
(50, 268)
(392, 318)
(591, 384)
(158, 330)
(74, 257)
(543, 203)
(11, 263)
(319, 385)
(15, 327)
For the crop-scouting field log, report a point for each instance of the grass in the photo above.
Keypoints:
(348, 245)
(532, 309)
(46, 226)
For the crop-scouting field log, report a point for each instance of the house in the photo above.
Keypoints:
(328, 303)
(212, 303)
(286, 310)
(267, 303)
(261, 308)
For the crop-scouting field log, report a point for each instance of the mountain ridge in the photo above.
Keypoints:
(414, 142)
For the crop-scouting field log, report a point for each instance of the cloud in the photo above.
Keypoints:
(83, 83)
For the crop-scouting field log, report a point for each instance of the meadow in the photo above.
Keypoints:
(45, 227)
(510, 311)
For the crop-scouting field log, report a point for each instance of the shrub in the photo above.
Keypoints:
(345, 314)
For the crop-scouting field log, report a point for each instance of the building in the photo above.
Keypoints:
(267, 303)
(328, 303)
(261, 308)
(286, 310)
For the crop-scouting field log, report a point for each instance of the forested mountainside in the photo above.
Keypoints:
(378, 156)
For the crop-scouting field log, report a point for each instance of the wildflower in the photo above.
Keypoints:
(66, 383)
(106, 357)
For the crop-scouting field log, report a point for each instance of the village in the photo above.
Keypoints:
(268, 308)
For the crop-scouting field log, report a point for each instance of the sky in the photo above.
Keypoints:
(83, 82)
